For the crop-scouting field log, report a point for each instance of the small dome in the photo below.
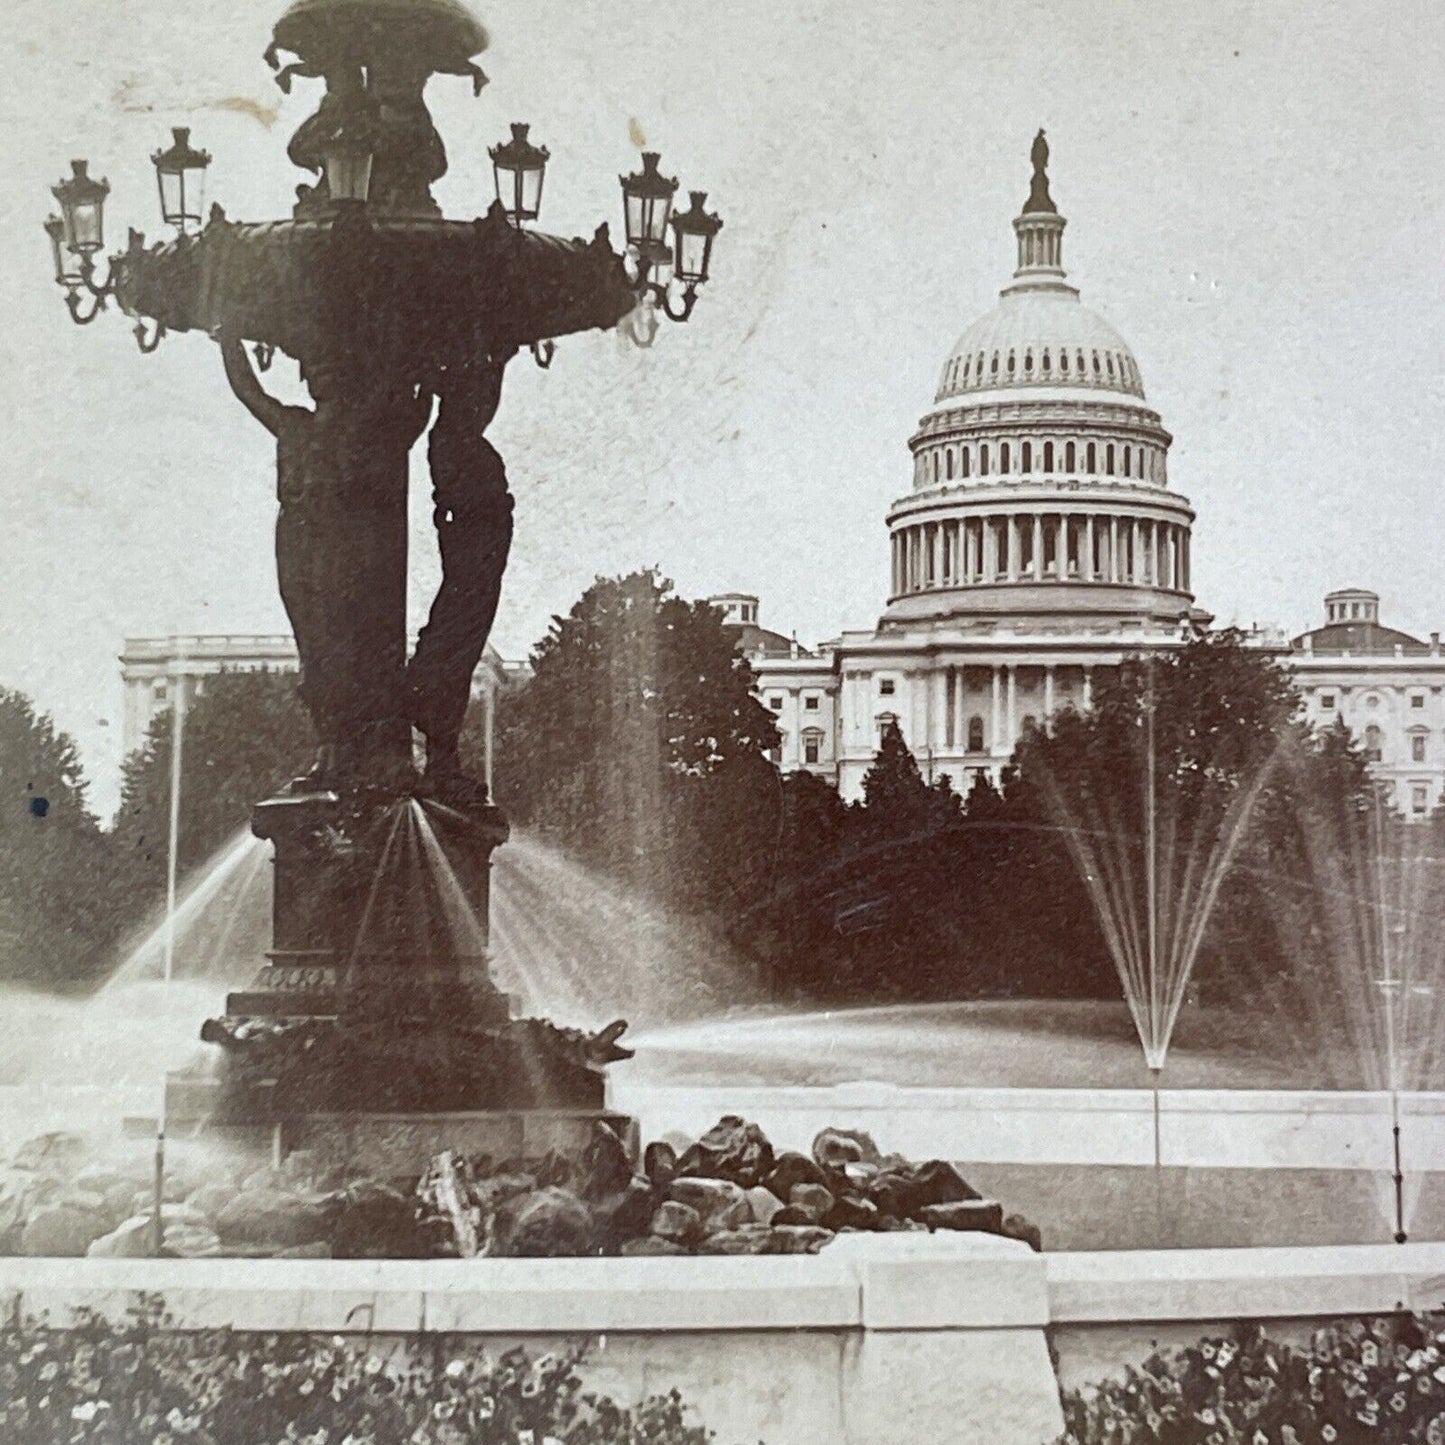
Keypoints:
(1041, 338)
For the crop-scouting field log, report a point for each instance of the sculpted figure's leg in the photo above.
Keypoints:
(473, 517)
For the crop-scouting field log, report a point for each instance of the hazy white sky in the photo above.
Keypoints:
(1255, 199)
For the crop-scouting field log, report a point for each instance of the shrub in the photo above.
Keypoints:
(137, 1383)
(1381, 1382)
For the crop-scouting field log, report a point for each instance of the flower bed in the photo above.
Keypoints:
(132, 1383)
(728, 1192)
(1375, 1383)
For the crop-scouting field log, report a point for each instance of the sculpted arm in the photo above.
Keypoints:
(249, 391)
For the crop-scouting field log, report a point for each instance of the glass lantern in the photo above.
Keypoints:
(82, 209)
(693, 232)
(348, 168)
(647, 202)
(65, 274)
(519, 167)
(181, 177)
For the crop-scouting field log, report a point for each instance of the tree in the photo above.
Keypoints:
(53, 919)
(640, 744)
(244, 735)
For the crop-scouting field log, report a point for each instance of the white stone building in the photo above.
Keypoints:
(1040, 540)
(156, 671)
(1389, 689)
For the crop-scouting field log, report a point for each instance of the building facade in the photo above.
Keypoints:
(1387, 687)
(157, 672)
(1040, 542)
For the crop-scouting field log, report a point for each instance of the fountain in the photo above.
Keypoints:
(376, 996)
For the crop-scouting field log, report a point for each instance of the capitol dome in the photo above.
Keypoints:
(1040, 489)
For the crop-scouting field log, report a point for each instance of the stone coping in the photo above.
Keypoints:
(861, 1282)
(1162, 1285)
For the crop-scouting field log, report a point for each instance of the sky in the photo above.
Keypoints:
(1255, 199)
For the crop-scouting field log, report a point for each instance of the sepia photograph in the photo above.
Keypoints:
(723, 725)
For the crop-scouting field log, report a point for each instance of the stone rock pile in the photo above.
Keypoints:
(729, 1192)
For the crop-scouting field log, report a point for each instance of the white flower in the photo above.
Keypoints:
(88, 1411)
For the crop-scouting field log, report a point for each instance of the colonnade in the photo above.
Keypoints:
(945, 461)
(1040, 547)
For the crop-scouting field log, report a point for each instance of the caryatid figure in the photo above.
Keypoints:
(472, 511)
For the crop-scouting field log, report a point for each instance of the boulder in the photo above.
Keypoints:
(792, 1218)
(56, 1155)
(833, 1148)
(733, 1149)
(851, 1212)
(797, 1239)
(272, 1217)
(791, 1169)
(606, 1166)
(812, 1201)
(103, 1178)
(625, 1214)
(500, 1187)
(750, 1239)
(720, 1203)
(1015, 1226)
(128, 1240)
(371, 1220)
(902, 1192)
(981, 1214)
(22, 1192)
(677, 1223)
(317, 1249)
(189, 1241)
(209, 1200)
(547, 1223)
(659, 1163)
(650, 1244)
(763, 1204)
(61, 1229)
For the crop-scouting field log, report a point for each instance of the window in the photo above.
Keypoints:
(1070, 457)
(1109, 459)
(983, 460)
(1026, 457)
(810, 704)
(1327, 701)
(885, 687)
(1374, 743)
(1092, 459)
(775, 702)
(950, 464)
(812, 746)
(975, 734)
(1003, 456)
(1419, 798)
(886, 720)
(1417, 748)
(1417, 699)
(963, 457)
(1048, 456)
(160, 692)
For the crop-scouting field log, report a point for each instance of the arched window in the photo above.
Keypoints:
(1091, 460)
(965, 370)
(1064, 362)
(1048, 456)
(1109, 362)
(978, 370)
(963, 460)
(1079, 357)
(1096, 363)
(1070, 457)
(949, 464)
(983, 460)
(1011, 363)
(935, 466)
(993, 365)
(1046, 361)
(1109, 459)
(1127, 472)
(1374, 743)
(1028, 361)
(1026, 457)
(1003, 456)
(975, 734)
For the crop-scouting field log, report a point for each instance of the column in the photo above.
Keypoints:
(1013, 707)
(936, 544)
(1088, 687)
(942, 679)
(995, 736)
(970, 555)
(1086, 568)
(960, 702)
(1048, 689)
(896, 589)
(1013, 548)
(1038, 548)
(1186, 561)
(1136, 572)
(1154, 553)
(988, 543)
(1113, 549)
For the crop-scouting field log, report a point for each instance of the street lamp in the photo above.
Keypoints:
(349, 159)
(518, 167)
(181, 178)
(82, 207)
(647, 208)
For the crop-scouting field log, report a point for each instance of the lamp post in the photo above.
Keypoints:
(392, 312)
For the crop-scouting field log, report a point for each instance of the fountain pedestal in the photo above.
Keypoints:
(374, 1032)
